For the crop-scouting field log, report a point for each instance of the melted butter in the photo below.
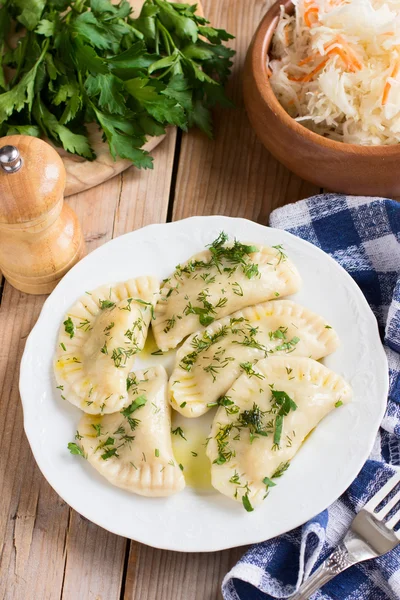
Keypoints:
(196, 469)
(149, 347)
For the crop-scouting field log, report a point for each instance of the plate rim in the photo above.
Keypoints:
(203, 547)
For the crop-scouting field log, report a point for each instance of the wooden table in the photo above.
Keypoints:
(48, 551)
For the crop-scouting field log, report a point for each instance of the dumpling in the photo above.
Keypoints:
(217, 282)
(210, 360)
(132, 448)
(277, 403)
(98, 341)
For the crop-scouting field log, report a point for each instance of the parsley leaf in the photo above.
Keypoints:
(92, 61)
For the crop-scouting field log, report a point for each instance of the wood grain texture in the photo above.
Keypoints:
(48, 551)
(33, 519)
(161, 575)
(129, 201)
(83, 174)
(233, 174)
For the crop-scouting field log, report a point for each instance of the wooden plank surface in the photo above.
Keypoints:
(47, 551)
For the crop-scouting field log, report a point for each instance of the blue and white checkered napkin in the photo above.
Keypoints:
(363, 235)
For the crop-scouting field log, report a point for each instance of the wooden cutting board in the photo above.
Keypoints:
(83, 174)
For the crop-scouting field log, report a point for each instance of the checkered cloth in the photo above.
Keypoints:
(363, 235)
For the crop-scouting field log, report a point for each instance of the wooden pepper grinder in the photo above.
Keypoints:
(40, 236)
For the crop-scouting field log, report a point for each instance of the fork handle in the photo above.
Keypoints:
(335, 563)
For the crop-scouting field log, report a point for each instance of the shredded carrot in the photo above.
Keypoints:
(388, 85)
(307, 13)
(290, 103)
(287, 38)
(355, 62)
(305, 61)
(309, 76)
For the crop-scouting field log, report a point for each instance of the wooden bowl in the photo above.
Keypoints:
(340, 167)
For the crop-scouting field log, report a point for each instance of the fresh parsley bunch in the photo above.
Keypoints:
(84, 61)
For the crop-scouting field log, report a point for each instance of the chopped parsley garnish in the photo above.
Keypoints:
(194, 453)
(69, 327)
(156, 452)
(282, 405)
(288, 346)
(128, 305)
(78, 436)
(268, 482)
(110, 452)
(183, 404)
(328, 327)
(104, 350)
(181, 466)
(279, 334)
(247, 503)
(227, 403)
(75, 449)
(338, 403)
(104, 304)
(131, 408)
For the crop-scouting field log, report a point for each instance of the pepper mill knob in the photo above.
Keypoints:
(40, 237)
(10, 159)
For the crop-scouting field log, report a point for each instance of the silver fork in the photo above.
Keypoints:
(370, 535)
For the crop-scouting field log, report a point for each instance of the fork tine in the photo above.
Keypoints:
(386, 509)
(383, 492)
(393, 521)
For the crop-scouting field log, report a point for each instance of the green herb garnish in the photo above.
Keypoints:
(247, 503)
(69, 327)
(131, 408)
(75, 449)
(178, 431)
(83, 61)
(104, 304)
(249, 370)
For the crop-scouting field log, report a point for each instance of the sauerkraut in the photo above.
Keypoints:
(335, 68)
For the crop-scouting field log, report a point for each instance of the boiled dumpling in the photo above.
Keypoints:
(132, 448)
(275, 405)
(218, 281)
(98, 341)
(210, 360)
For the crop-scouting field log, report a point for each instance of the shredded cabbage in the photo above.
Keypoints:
(335, 67)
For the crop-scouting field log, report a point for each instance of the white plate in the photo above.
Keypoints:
(199, 521)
